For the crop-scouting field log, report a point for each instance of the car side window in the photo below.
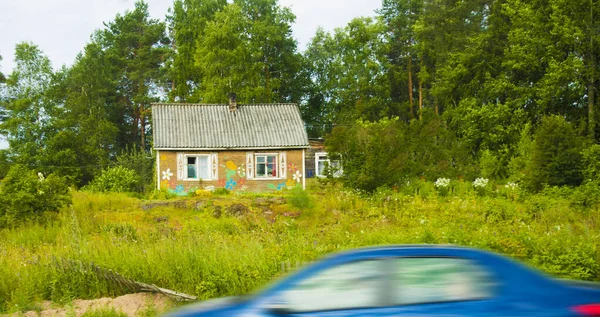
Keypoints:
(429, 280)
(346, 286)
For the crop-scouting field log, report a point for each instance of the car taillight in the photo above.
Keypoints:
(591, 310)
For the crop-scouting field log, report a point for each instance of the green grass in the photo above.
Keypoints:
(191, 251)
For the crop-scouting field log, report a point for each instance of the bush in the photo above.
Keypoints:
(555, 155)
(143, 164)
(591, 163)
(25, 195)
(300, 198)
(116, 179)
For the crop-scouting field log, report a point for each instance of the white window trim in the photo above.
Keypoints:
(325, 154)
(209, 167)
(261, 178)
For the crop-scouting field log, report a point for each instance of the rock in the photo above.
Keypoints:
(237, 210)
(218, 211)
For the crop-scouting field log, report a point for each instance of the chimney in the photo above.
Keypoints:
(232, 102)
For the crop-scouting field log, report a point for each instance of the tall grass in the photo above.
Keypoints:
(193, 252)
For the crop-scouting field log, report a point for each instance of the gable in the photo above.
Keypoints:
(201, 126)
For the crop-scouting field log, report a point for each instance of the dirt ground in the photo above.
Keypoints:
(139, 304)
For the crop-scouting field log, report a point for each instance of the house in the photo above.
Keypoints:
(247, 147)
(317, 160)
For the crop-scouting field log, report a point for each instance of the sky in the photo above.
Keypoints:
(61, 28)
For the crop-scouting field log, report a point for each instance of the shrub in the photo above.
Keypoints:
(555, 155)
(116, 179)
(23, 194)
(491, 166)
(299, 198)
(591, 163)
(143, 164)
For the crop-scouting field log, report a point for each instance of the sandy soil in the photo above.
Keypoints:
(132, 305)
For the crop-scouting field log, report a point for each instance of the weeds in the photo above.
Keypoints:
(191, 251)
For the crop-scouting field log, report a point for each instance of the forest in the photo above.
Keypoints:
(499, 89)
(471, 123)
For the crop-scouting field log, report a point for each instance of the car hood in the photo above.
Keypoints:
(214, 307)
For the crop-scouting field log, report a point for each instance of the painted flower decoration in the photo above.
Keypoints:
(241, 170)
(179, 189)
(167, 174)
(290, 183)
(292, 167)
(230, 165)
(297, 176)
(281, 186)
(242, 181)
(164, 184)
(230, 184)
(221, 182)
(244, 187)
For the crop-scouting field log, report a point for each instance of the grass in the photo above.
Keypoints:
(192, 251)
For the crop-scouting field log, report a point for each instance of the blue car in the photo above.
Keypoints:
(412, 281)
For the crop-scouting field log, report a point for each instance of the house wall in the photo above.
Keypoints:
(316, 146)
(231, 170)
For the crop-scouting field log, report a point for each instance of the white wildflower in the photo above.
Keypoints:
(481, 182)
(442, 182)
(512, 186)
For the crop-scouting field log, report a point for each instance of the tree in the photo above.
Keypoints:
(27, 107)
(348, 74)
(555, 155)
(138, 47)
(187, 23)
(248, 49)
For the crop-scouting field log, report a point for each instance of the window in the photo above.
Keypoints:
(197, 167)
(323, 163)
(266, 165)
(347, 286)
(428, 280)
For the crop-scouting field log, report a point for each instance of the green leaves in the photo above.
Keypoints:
(248, 49)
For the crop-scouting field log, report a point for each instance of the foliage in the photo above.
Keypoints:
(25, 195)
(116, 179)
(555, 155)
(383, 153)
(143, 163)
(247, 49)
(591, 163)
(548, 230)
(300, 199)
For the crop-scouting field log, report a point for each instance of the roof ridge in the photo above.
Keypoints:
(222, 104)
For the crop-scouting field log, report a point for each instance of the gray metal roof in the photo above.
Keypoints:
(203, 126)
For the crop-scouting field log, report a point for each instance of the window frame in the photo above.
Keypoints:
(326, 159)
(208, 167)
(276, 169)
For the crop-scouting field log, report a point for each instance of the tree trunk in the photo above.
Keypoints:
(136, 123)
(591, 84)
(143, 127)
(420, 99)
(437, 112)
(410, 88)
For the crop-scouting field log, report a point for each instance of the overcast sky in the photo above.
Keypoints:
(61, 28)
